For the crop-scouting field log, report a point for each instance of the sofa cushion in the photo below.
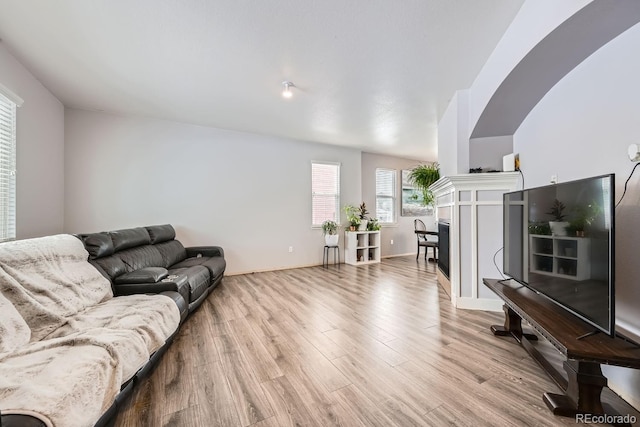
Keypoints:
(98, 244)
(144, 275)
(172, 252)
(14, 331)
(197, 278)
(215, 265)
(141, 257)
(161, 233)
(129, 238)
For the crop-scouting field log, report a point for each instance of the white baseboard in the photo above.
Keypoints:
(486, 304)
(397, 255)
(238, 273)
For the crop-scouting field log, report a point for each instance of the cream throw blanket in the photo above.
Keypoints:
(67, 345)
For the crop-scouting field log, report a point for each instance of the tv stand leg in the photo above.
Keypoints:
(512, 326)
(583, 391)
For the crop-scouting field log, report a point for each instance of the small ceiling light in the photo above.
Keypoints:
(286, 92)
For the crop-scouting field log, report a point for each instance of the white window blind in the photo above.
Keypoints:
(325, 192)
(386, 196)
(7, 169)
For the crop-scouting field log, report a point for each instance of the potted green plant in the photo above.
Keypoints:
(330, 233)
(373, 224)
(422, 176)
(583, 217)
(558, 225)
(353, 216)
(362, 213)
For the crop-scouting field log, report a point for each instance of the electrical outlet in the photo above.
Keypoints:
(554, 179)
(290, 249)
(392, 241)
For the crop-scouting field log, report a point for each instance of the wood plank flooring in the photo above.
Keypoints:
(377, 345)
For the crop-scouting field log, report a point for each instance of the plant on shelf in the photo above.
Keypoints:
(353, 216)
(422, 176)
(362, 213)
(373, 224)
(556, 210)
(558, 225)
(540, 228)
(583, 217)
(330, 232)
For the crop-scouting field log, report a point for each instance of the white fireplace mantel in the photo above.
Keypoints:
(472, 203)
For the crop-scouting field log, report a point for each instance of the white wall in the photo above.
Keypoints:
(487, 152)
(404, 239)
(535, 20)
(582, 128)
(453, 136)
(248, 193)
(40, 152)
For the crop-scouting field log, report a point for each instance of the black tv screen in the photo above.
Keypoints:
(559, 242)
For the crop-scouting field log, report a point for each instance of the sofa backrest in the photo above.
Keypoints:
(122, 251)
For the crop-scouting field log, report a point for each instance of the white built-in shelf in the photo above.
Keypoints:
(362, 247)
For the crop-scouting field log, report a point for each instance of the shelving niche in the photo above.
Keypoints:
(561, 256)
(362, 247)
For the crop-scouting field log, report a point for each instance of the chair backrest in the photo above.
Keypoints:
(419, 225)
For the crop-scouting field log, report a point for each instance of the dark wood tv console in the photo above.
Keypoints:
(584, 382)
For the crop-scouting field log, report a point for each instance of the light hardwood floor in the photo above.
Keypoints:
(377, 345)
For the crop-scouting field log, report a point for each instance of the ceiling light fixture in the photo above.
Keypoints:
(286, 92)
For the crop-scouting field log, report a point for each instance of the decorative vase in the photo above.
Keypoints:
(558, 228)
(331, 239)
(363, 225)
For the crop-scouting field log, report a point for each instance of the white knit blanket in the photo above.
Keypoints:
(48, 280)
(84, 344)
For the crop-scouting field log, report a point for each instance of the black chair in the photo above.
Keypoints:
(426, 239)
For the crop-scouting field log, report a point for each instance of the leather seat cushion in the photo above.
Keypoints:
(197, 278)
(216, 265)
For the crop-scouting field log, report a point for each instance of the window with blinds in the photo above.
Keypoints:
(325, 192)
(7, 169)
(386, 196)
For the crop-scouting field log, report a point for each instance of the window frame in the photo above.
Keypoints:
(337, 194)
(393, 197)
(8, 179)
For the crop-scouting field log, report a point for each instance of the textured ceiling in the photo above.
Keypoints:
(374, 75)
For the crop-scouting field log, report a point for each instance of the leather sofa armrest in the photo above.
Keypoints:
(209, 251)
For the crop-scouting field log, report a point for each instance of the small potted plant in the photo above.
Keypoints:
(584, 216)
(373, 224)
(362, 213)
(353, 216)
(558, 225)
(330, 232)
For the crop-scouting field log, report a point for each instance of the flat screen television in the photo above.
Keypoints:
(559, 242)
